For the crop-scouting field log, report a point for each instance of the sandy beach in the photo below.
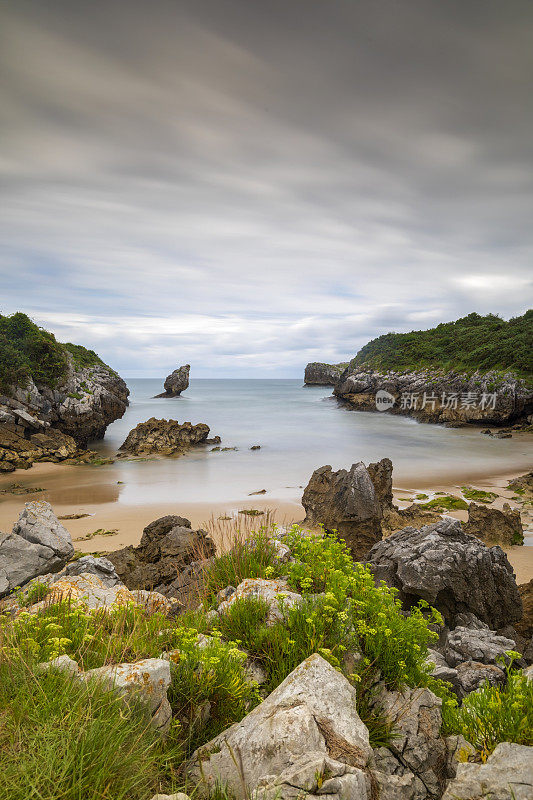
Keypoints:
(89, 491)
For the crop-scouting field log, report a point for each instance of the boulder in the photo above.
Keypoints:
(319, 374)
(276, 593)
(101, 567)
(39, 544)
(483, 645)
(310, 715)
(471, 675)
(347, 502)
(167, 546)
(451, 570)
(524, 626)
(87, 590)
(163, 437)
(176, 382)
(146, 680)
(494, 526)
(415, 715)
(506, 775)
(62, 663)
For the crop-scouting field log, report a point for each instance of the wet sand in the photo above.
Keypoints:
(89, 490)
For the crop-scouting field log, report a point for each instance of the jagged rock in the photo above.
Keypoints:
(523, 485)
(39, 544)
(167, 546)
(345, 501)
(394, 780)
(458, 751)
(101, 567)
(524, 626)
(441, 669)
(319, 374)
(311, 712)
(471, 675)
(176, 382)
(494, 526)
(381, 476)
(415, 715)
(163, 437)
(506, 775)
(396, 519)
(188, 584)
(146, 680)
(315, 775)
(454, 572)
(276, 593)
(483, 645)
(513, 397)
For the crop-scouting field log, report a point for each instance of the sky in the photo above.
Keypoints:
(249, 185)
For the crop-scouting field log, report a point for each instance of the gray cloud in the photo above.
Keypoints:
(249, 186)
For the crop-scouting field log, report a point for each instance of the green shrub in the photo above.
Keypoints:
(447, 503)
(478, 495)
(494, 714)
(61, 739)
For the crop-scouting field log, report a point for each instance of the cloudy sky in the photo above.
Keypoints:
(248, 185)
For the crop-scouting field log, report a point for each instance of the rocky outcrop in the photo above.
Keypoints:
(306, 734)
(481, 645)
(494, 526)
(163, 437)
(38, 544)
(524, 626)
(176, 382)
(451, 570)
(319, 374)
(168, 545)
(436, 396)
(506, 775)
(345, 501)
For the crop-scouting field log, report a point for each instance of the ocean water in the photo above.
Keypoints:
(299, 429)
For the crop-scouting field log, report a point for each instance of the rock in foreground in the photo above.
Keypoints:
(163, 437)
(506, 775)
(453, 571)
(176, 382)
(281, 746)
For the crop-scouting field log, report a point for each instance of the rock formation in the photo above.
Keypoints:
(436, 396)
(494, 526)
(39, 544)
(176, 382)
(163, 437)
(525, 625)
(168, 545)
(451, 570)
(506, 775)
(318, 374)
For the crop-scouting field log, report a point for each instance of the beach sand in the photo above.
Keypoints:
(87, 490)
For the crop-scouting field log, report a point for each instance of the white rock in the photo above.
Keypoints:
(38, 524)
(506, 775)
(63, 663)
(312, 711)
(276, 593)
(315, 774)
(88, 590)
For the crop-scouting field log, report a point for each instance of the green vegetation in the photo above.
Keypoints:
(495, 714)
(446, 503)
(478, 495)
(28, 351)
(470, 343)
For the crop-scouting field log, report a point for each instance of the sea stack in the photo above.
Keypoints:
(176, 382)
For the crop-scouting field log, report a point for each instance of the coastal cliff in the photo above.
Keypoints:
(320, 374)
(54, 398)
(474, 370)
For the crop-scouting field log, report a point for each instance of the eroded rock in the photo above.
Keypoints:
(506, 775)
(494, 526)
(176, 382)
(163, 437)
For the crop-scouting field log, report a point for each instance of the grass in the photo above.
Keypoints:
(61, 739)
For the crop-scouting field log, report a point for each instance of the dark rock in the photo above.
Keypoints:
(494, 526)
(347, 502)
(255, 447)
(176, 382)
(164, 437)
(319, 374)
(481, 644)
(471, 675)
(451, 570)
(167, 546)
(381, 476)
(524, 626)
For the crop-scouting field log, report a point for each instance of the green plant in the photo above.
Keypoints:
(495, 714)
(478, 495)
(63, 739)
(34, 594)
(447, 503)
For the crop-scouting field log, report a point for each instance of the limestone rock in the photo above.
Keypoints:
(506, 775)
(168, 546)
(345, 501)
(483, 645)
(146, 680)
(454, 572)
(89, 591)
(471, 675)
(62, 663)
(416, 717)
(494, 526)
(275, 592)
(101, 567)
(319, 374)
(315, 774)
(176, 382)
(38, 524)
(163, 437)
(312, 711)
